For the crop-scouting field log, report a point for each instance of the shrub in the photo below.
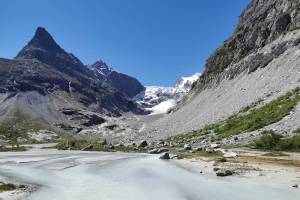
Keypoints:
(7, 187)
(268, 141)
(275, 142)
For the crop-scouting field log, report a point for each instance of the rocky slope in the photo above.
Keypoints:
(55, 88)
(261, 23)
(124, 83)
(160, 99)
(259, 62)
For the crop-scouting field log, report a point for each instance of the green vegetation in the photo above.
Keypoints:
(198, 154)
(97, 146)
(16, 126)
(7, 187)
(12, 129)
(248, 119)
(275, 154)
(276, 142)
(6, 149)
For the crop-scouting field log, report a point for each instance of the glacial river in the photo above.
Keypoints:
(116, 176)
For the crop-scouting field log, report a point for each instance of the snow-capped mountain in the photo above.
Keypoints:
(185, 83)
(160, 99)
(124, 83)
(100, 69)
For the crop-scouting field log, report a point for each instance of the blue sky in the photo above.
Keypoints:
(156, 41)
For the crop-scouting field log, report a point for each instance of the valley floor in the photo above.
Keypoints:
(47, 170)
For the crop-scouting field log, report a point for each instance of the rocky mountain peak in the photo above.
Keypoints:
(44, 48)
(101, 68)
(124, 83)
(43, 39)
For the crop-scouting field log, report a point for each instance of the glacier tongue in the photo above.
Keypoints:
(160, 99)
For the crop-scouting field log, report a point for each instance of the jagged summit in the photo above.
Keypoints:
(44, 48)
(101, 67)
(44, 40)
(124, 83)
(41, 40)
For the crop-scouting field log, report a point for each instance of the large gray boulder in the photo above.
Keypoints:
(154, 151)
(187, 147)
(165, 156)
(87, 148)
(162, 150)
(143, 144)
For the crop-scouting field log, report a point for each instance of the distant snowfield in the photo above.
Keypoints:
(159, 99)
(73, 175)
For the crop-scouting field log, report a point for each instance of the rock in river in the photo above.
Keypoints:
(165, 156)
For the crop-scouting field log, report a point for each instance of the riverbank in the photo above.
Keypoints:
(251, 166)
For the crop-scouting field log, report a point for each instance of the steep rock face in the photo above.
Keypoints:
(261, 22)
(124, 83)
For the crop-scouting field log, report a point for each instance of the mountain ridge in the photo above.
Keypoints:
(124, 83)
(56, 88)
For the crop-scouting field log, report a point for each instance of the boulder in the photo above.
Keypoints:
(154, 151)
(87, 148)
(92, 120)
(161, 142)
(187, 147)
(165, 156)
(209, 150)
(214, 146)
(162, 150)
(224, 173)
(119, 145)
(104, 142)
(143, 144)
(200, 149)
(219, 150)
(230, 154)
(111, 127)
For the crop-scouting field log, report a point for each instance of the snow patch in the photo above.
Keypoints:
(163, 107)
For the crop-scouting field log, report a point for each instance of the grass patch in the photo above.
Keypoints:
(198, 154)
(276, 142)
(275, 154)
(7, 187)
(14, 149)
(17, 124)
(248, 119)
